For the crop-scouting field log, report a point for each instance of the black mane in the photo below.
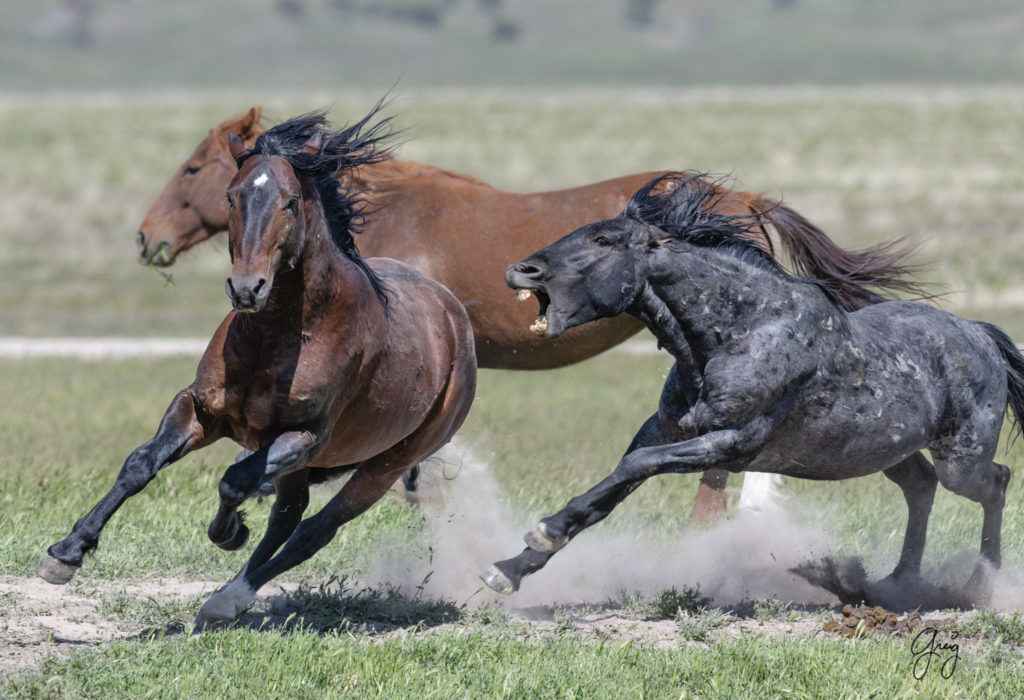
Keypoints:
(360, 143)
(685, 205)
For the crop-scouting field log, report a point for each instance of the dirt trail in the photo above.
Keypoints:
(39, 619)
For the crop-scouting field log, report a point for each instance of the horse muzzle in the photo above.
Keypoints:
(527, 279)
(248, 293)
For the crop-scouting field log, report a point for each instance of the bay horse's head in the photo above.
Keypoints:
(191, 207)
(289, 177)
(601, 269)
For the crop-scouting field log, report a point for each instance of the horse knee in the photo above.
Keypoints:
(138, 470)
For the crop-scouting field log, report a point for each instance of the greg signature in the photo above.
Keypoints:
(927, 648)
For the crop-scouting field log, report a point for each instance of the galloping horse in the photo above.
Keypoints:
(327, 361)
(771, 373)
(464, 233)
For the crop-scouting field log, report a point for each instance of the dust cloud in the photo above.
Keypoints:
(747, 557)
(766, 554)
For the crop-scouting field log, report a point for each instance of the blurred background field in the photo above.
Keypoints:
(96, 44)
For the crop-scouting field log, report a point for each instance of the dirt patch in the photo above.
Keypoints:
(40, 620)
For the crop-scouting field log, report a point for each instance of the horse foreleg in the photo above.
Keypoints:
(284, 454)
(181, 431)
(361, 491)
(646, 457)
(916, 478)
(285, 514)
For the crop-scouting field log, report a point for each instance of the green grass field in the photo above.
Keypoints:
(938, 167)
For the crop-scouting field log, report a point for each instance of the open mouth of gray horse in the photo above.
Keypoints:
(540, 325)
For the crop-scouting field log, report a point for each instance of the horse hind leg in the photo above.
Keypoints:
(916, 478)
(984, 482)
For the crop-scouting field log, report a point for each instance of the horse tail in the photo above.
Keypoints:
(1014, 362)
(849, 274)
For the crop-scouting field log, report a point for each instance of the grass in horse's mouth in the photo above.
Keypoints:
(540, 326)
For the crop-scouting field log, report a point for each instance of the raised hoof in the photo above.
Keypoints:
(53, 570)
(497, 581)
(539, 540)
(235, 542)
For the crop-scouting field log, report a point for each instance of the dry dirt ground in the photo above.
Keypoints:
(38, 619)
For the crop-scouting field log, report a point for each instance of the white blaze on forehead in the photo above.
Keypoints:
(261, 180)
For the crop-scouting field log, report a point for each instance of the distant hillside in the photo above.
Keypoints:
(332, 43)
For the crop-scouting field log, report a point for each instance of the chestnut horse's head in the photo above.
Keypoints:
(191, 207)
(286, 184)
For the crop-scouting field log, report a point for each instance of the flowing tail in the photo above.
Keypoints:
(850, 274)
(1014, 374)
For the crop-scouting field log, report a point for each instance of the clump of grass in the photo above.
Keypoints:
(771, 609)
(670, 602)
(989, 625)
(565, 622)
(150, 611)
(335, 604)
(489, 615)
(667, 603)
(698, 626)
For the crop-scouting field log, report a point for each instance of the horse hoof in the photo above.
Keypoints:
(497, 581)
(225, 605)
(53, 570)
(236, 541)
(539, 540)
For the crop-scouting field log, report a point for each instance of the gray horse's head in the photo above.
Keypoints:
(601, 269)
(595, 272)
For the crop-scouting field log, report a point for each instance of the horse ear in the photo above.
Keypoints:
(235, 146)
(315, 143)
(656, 237)
(250, 121)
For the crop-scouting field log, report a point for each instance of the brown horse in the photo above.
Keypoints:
(464, 233)
(328, 361)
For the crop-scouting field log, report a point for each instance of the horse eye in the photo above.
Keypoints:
(602, 241)
(292, 205)
(191, 169)
(231, 202)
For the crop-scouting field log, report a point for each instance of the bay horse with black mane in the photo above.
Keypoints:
(328, 360)
(771, 373)
(463, 233)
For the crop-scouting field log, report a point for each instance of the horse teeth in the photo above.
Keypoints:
(540, 326)
(523, 294)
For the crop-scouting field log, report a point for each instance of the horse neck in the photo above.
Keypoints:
(698, 299)
(391, 174)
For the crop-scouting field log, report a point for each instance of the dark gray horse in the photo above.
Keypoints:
(771, 375)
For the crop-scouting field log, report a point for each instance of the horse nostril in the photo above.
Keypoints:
(259, 285)
(141, 240)
(528, 269)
